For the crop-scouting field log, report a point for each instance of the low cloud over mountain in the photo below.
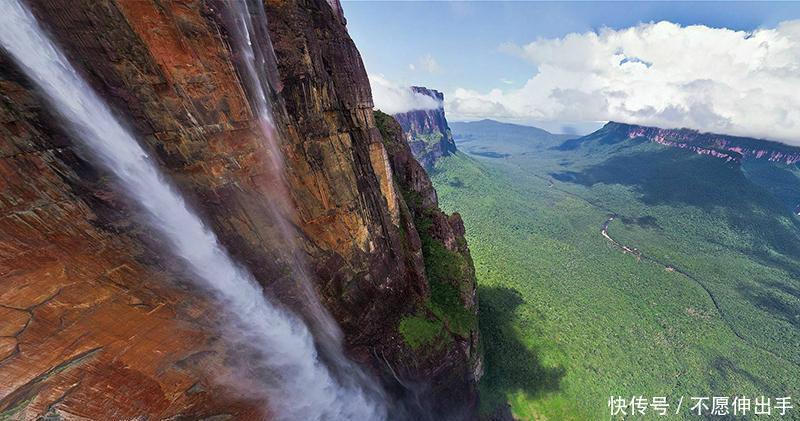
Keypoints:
(395, 99)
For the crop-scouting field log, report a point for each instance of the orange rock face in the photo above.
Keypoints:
(97, 320)
(87, 330)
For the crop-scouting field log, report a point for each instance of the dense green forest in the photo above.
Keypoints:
(704, 302)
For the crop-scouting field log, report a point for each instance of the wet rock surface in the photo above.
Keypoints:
(99, 321)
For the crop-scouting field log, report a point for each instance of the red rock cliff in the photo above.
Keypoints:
(732, 148)
(99, 323)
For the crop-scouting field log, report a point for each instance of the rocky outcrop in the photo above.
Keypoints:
(426, 131)
(729, 148)
(444, 323)
(372, 286)
(99, 319)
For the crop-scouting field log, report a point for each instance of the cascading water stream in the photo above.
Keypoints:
(258, 69)
(304, 389)
(256, 60)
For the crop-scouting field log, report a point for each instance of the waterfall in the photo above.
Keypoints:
(256, 62)
(257, 67)
(305, 389)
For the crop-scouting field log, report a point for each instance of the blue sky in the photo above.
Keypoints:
(464, 39)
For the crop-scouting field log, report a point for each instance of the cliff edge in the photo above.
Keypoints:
(99, 321)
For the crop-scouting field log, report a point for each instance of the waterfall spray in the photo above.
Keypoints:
(305, 389)
(256, 63)
(247, 25)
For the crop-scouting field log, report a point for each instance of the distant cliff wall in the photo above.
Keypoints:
(426, 131)
(731, 148)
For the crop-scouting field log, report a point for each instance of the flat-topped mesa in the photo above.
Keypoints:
(731, 148)
(426, 131)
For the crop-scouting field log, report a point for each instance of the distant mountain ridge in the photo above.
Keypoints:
(427, 131)
(730, 148)
(495, 139)
(488, 127)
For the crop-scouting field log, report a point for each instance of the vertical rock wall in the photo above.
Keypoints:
(426, 131)
(97, 304)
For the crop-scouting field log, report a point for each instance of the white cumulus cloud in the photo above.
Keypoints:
(394, 99)
(661, 74)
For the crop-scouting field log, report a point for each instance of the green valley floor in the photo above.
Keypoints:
(697, 295)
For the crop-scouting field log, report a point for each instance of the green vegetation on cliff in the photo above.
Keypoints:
(418, 331)
(448, 270)
(389, 131)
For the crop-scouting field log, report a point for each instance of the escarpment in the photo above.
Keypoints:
(100, 321)
(445, 321)
(729, 148)
(426, 131)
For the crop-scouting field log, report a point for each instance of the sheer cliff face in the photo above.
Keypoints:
(98, 319)
(449, 311)
(426, 131)
(731, 148)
